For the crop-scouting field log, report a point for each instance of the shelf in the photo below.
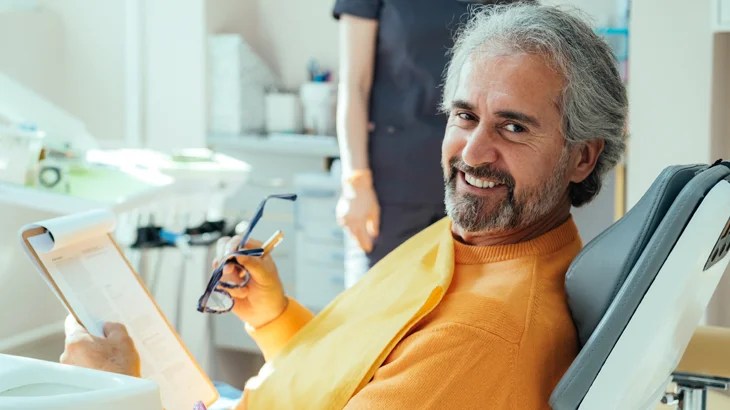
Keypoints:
(308, 145)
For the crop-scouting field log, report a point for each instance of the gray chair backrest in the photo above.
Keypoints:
(623, 261)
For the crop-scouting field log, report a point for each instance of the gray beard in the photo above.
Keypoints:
(474, 213)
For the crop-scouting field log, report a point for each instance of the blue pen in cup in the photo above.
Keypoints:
(313, 68)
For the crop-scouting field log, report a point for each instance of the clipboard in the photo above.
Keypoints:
(201, 389)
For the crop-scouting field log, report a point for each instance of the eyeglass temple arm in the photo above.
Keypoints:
(260, 212)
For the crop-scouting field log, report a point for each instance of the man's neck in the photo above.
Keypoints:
(540, 227)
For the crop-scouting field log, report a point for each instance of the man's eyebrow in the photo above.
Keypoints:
(518, 116)
(462, 104)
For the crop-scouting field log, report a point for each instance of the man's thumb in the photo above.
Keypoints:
(114, 330)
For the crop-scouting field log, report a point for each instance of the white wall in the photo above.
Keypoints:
(174, 67)
(72, 52)
(720, 147)
(285, 33)
(601, 11)
(671, 89)
(94, 62)
(38, 60)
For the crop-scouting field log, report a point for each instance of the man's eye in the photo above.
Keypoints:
(515, 128)
(466, 116)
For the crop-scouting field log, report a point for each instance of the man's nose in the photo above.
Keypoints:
(480, 149)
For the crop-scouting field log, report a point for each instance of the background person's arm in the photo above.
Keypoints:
(357, 62)
(358, 209)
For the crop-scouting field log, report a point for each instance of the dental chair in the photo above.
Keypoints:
(638, 292)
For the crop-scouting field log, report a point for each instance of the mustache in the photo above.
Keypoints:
(483, 172)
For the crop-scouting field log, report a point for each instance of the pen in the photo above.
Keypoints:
(273, 242)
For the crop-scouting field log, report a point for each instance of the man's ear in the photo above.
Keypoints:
(584, 160)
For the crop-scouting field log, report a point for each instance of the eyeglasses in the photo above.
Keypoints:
(216, 300)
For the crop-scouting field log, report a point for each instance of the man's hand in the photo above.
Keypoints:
(114, 352)
(358, 211)
(263, 299)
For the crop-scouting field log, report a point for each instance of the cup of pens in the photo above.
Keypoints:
(319, 101)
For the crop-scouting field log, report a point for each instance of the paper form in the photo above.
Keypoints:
(100, 286)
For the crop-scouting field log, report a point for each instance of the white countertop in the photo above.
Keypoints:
(54, 202)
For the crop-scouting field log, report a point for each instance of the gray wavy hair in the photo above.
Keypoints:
(594, 101)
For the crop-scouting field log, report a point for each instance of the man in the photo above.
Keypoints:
(470, 313)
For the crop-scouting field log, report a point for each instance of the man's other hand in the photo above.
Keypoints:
(114, 352)
(263, 299)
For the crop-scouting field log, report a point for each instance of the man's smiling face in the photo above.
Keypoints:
(504, 156)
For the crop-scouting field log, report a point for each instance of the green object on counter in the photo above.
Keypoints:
(106, 185)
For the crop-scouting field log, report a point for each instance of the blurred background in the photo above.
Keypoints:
(181, 115)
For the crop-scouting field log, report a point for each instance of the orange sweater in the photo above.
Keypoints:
(501, 337)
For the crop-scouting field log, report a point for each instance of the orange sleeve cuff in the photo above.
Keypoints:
(272, 336)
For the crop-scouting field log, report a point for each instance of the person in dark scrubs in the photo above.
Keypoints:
(392, 56)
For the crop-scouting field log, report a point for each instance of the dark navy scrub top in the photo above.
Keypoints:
(405, 144)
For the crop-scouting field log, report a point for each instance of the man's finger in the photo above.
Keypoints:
(253, 243)
(231, 246)
(220, 247)
(239, 293)
(254, 265)
(73, 328)
(75, 333)
(114, 330)
(232, 273)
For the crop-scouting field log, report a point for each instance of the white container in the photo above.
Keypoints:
(319, 104)
(237, 85)
(19, 155)
(283, 113)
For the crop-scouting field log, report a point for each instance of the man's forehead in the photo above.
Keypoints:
(522, 76)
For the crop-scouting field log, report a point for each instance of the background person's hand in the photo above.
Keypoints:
(115, 352)
(263, 299)
(358, 211)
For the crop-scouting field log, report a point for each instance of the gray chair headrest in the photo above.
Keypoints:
(608, 279)
(599, 270)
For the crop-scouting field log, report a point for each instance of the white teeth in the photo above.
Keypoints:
(479, 183)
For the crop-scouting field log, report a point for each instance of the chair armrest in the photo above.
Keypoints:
(708, 353)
